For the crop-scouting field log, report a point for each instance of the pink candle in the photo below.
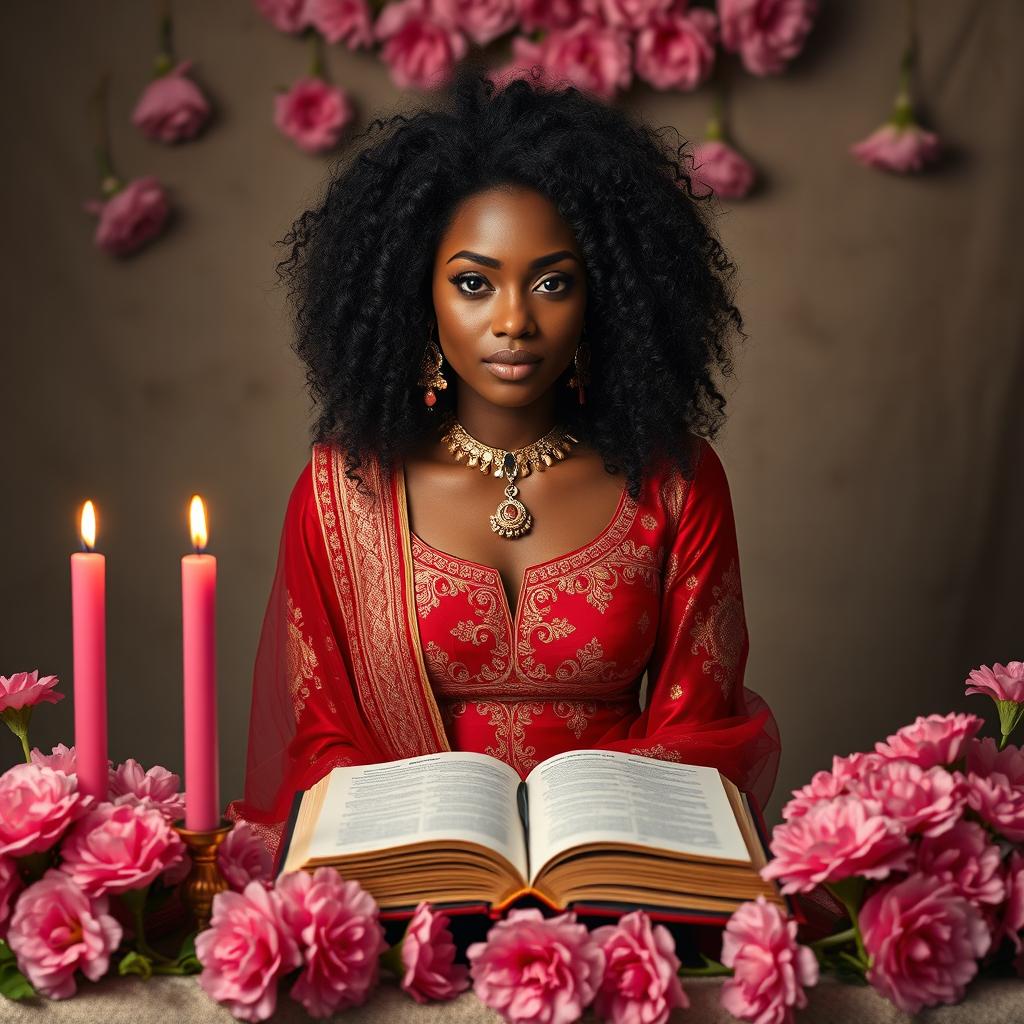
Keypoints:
(88, 618)
(198, 616)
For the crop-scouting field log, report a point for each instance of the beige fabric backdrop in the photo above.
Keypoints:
(875, 444)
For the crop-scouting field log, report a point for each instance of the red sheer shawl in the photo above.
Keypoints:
(340, 678)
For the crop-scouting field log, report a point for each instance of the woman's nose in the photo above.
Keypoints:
(512, 316)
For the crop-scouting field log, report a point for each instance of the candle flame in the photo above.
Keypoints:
(197, 519)
(87, 530)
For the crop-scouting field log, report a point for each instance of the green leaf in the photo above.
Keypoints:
(136, 963)
(187, 960)
(13, 984)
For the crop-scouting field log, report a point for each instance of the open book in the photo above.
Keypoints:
(585, 826)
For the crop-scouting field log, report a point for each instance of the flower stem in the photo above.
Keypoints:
(165, 54)
(109, 182)
(839, 939)
(848, 892)
(712, 971)
(316, 63)
(17, 720)
(135, 900)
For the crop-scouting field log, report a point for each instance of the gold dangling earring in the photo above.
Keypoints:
(581, 361)
(430, 371)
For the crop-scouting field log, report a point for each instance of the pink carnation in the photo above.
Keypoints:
(676, 49)
(534, 970)
(846, 771)
(846, 836)
(60, 759)
(172, 108)
(482, 20)
(998, 803)
(313, 114)
(720, 169)
(347, 21)
(156, 788)
(420, 49)
(38, 805)
(640, 982)
(245, 950)
(285, 15)
(548, 14)
(984, 758)
(26, 689)
(632, 15)
(898, 148)
(589, 55)
(932, 740)
(335, 922)
(770, 969)
(1012, 922)
(965, 856)
(131, 217)
(243, 858)
(117, 847)
(926, 801)
(57, 929)
(1000, 682)
(10, 883)
(428, 956)
(924, 941)
(767, 34)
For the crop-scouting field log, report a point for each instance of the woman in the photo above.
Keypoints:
(511, 311)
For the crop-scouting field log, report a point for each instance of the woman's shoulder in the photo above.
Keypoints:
(696, 477)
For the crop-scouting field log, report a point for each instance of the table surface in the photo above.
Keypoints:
(133, 1001)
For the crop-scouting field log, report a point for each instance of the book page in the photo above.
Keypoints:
(451, 795)
(603, 796)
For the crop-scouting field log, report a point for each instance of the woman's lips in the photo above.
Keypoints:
(512, 371)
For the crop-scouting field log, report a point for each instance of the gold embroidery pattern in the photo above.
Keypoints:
(691, 582)
(452, 709)
(659, 751)
(648, 522)
(721, 633)
(577, 714)
(510, 720)
(431, 586)
(303, 665)
(676, 692)
(643, 622)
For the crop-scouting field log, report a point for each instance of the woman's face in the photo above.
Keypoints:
(508, 275)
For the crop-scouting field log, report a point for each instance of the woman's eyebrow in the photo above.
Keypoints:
(490, 261)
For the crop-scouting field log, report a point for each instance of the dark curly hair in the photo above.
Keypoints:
(659, 313)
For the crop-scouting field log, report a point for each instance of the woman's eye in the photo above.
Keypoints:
(558, 281)
(470, 284)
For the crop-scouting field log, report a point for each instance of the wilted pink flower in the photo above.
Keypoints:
(720, 169)
(533, 970)
(347, 21)
(1012, 921)
(56, 929)
(965, 856)
(926, 801)
(243, 858)
(60, 759)
(10, 883)
(26, 689)
(633, 14)
(825, 785)
(156, 788)
(766, 33)
(335, 923)
(998, 803)
(428, 956)
(676, 49)
(419, 49)
(245, 950)
(117, 847)
(899, 148)
(548, 14)
(924, 941)
(285, 15)
(38, 805)
(313, 114)
(132, 216)
(984, 758)
(482, 20)
(932, 740)
(770, 969)
(172, 108)
(1000, 682)
(846, 836)
(640, 981)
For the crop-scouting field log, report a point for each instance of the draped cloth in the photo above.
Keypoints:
(341, 677)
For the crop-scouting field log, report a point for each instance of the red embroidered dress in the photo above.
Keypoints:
(377, 645)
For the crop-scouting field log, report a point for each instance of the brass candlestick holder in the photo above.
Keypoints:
(204, 881)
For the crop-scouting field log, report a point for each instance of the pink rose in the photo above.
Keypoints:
(846, 836)
(26, 689)
(38, 805)
(57, 929)
(588, 55)
(313, 114)
(984, 758)
(998, 803)
(923, 940)
(132, 216)
(60, 759)
(548, 14)
(535, 970)
(633, 14)
(964, 856)
(482, 20)
(825, 785)
(156, 788)
(245, 950)
(335, 922)
(243, 858)
(10, 883)
(898, 148)
(1013, 913)
(718, 168)
(1000, 682)
(932, 740)
(117, 847)
(766, 33)
(926, 801)
(676, 50)
(347, 21)
(770, 969)
(419, 49)
(285, 15)
(428, 956)
(172, 108)
(640, 981)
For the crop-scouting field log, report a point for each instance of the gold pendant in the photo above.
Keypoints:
(512, 518)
